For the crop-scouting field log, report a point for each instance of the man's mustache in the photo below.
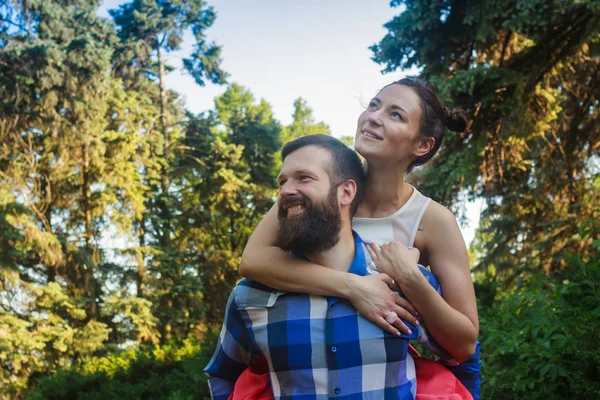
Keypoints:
(292, 200)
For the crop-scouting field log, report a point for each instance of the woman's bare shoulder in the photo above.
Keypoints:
(437, 216)
(437, 227)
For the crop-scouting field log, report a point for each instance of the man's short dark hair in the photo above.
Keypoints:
(345, 163)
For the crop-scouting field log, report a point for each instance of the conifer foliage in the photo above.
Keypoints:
(529, 74)
(122, 215)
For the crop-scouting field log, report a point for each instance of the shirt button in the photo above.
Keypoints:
(334, 349)
(337, 390)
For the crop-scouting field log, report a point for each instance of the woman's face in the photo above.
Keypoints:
(388, 130)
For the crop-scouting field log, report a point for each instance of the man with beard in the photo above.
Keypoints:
(316, 347)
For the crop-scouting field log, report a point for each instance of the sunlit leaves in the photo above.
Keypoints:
(525, 73)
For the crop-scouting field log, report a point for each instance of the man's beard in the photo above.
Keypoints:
(316, 229)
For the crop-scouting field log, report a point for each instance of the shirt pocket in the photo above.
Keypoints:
(250, 297)
(254, 306)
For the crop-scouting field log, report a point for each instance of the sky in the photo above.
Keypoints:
(282, 50)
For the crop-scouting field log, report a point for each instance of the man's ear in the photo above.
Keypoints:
(424, 146)
(347, 192)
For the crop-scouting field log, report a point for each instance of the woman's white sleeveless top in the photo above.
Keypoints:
(401, 225)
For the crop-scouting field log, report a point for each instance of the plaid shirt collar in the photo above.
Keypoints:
(359, 263)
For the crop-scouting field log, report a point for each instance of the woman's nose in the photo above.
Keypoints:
(375, 117)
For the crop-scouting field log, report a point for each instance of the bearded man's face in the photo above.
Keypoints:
(316, 228)
(308, 206)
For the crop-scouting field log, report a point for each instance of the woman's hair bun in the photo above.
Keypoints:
(455, 120)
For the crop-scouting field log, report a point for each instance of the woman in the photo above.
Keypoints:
(402, 127)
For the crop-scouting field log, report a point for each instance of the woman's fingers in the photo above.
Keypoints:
(415, 254)
(398, 326)
(401, 326)
(386, 279)
(405, 304)
(394, 318)
(405, 315)
(374, 300)
(386, 326)
(374, 251)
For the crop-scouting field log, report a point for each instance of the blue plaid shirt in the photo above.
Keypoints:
(316, 347)
(468, 372)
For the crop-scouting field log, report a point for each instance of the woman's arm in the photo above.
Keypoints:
(451, 320)
(263, 262)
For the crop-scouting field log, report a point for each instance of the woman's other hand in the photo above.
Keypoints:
(374, 300)
(396, 260)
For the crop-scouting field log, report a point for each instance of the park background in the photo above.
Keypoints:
(139, 145)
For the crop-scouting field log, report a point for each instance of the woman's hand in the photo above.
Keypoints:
(451, 319)
(374, 300)
(395, 259)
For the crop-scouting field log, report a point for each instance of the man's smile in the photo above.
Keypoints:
(294, 209)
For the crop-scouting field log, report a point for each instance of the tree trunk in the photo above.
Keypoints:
(141, 267)
(165, 176)
(88, 270)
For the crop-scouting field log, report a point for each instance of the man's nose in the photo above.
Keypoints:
(288, 189)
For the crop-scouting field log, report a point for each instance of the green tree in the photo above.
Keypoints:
(153, 28)
(254, 127)
(347, 140)
(231, 158)
(150, 372)
(549, 350)
(68, 173)
(149, 30)
(303, 123)
(529, 74)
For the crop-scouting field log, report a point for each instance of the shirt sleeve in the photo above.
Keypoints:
(232, 355)
(419, 332)
(430, 344)
(469, 371)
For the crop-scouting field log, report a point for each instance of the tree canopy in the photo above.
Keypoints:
(123, 215)
(528, 72)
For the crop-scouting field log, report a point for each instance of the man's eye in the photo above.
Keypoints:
(305, 177)
(372, 105)
(281, 183)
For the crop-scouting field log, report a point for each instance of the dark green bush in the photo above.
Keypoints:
(169, 372)
(541, 342)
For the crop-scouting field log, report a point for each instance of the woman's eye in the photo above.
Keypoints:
(372, 105)
(397, 116)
